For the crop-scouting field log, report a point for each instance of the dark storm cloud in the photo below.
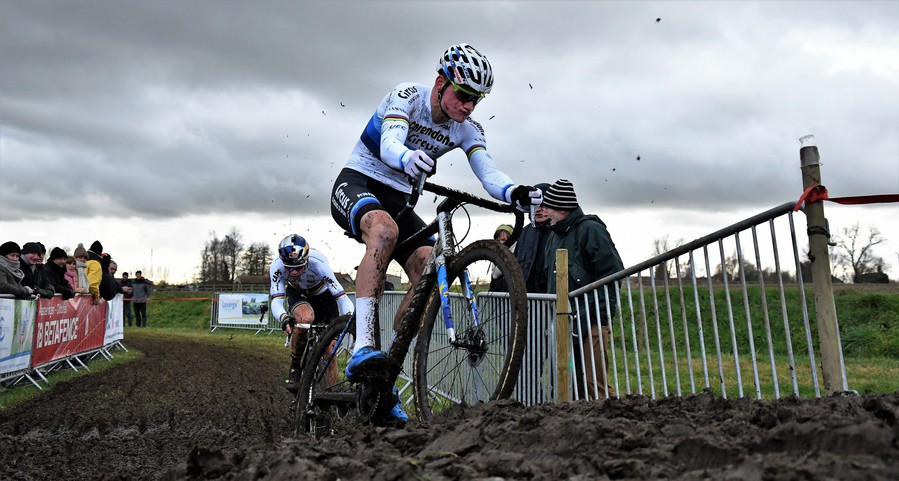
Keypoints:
(159, 109)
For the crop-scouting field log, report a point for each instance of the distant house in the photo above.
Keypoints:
(251, 282)
(393, 283)
(346, 280)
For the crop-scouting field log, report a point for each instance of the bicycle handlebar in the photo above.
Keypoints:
(452, 199)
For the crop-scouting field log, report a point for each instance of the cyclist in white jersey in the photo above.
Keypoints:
(303, 281)
(413, 125)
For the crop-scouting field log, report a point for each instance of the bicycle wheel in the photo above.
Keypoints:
(484, 361)
(325, 396)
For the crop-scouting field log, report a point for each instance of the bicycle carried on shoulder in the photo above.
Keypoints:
(466, 351)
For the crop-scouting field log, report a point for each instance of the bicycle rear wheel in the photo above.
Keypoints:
(484, 361)
(325, 396)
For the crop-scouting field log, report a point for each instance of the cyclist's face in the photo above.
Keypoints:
(452, 105)
(294, 272)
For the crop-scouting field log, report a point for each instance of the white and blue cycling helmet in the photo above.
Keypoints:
(464, 65)
(294, 251)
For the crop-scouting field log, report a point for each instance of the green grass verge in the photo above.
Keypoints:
(24, 390)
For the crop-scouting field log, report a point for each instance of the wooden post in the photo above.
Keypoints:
(563, 333)
(818, 238)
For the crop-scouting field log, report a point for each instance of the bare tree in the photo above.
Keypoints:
(733, 268)
(660, 246)
(256, 259)
(855, 250)
(232, 247)
(218, 260)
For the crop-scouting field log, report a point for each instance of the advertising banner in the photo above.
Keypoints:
(67, 327)
(115, 326)
(241, 308)
(16, 334)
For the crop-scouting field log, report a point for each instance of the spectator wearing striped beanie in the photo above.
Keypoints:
(560, 196)
(591, 256)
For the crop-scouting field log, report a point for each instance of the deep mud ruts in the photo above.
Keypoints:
(204, 411)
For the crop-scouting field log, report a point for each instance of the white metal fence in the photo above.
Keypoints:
(712, 314)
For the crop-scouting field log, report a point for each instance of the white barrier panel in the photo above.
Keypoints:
(242, 308)
(115, 327)
(16, 334)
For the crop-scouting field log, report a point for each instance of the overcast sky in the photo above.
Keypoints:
(149, 125)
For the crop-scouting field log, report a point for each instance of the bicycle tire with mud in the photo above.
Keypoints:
(445, 375)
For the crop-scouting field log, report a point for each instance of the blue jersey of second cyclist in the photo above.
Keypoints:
(403, 122)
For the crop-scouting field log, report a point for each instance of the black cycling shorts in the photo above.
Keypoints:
(323, 305)
(354, 194)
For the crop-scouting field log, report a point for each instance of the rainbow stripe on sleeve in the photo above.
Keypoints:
(474, 148)
(397, 118)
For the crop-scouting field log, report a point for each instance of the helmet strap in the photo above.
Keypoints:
(440, 97)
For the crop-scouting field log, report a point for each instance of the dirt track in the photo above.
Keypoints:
(212, 411)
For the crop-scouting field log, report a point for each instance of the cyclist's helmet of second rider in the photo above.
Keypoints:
(463, 65)
(294, 251)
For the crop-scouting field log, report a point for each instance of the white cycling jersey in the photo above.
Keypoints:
(403, 122)
(317, 278)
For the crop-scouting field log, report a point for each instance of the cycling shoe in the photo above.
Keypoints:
(362, 360)
(397, 415)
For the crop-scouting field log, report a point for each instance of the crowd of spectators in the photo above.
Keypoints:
(24, 275)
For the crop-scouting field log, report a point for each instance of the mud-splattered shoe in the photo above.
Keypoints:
(292, 383)
(362, 359)
(397, 414)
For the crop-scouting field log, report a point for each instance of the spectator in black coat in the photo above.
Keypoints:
(56, 273)
(11, 273)
(31, 261)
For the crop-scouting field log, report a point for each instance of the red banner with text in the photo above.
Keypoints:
(63, 328)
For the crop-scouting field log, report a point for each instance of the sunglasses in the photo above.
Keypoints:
(465, 95)
(295, 268)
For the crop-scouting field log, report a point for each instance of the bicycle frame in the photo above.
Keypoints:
(435, 268)
(375, 386)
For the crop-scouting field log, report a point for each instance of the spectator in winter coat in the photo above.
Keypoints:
(95, 269)
(139, 301)
(591, 256)
(72, 273)
(11, 273)
(529, 248)
(84, 285)
(497, 281)
(128, 292)
(56, 272)
(31, 261)
(109, 288)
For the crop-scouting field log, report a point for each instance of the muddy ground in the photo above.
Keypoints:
(207, 411)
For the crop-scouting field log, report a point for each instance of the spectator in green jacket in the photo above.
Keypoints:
(591, 256)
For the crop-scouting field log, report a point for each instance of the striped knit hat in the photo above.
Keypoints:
(560, 196)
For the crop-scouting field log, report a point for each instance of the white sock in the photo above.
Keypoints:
(366, 308)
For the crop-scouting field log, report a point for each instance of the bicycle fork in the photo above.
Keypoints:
(473, 339)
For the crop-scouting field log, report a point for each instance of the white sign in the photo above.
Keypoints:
(16, 334)
(115, 327)
(242, 308)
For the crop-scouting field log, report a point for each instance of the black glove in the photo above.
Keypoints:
(45, 293)
(524, 196)
(288, 320)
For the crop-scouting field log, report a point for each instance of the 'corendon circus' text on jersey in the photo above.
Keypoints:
(403, 121)
(317, 279)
